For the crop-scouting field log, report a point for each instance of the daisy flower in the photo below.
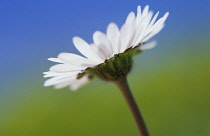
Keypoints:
(110, 55)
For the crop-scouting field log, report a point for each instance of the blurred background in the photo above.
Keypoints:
(171, 82)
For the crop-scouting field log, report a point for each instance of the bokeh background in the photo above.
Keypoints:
(171, 82)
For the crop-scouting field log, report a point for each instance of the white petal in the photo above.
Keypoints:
(76, 60)
(138, 16)
(140, 34)
(60, 79)
(101, 51)
(100, 39)
(145, 11)
(123, 37)
(53, 74)
(85, 49)
(148, 28)
(63, 84)
(158, 23)
(49, 73)
(55, 60)
(154, 32)
(78, 83)
(148, 45)
(113, 33)
(130, 18)
(165, 16)
(126, 32)
(153, 20)
(66, 68)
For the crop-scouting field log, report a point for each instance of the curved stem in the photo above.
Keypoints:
(124, 87)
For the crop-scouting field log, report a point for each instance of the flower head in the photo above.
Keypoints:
(110, 55)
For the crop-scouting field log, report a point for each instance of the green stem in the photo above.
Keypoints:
(124, 87)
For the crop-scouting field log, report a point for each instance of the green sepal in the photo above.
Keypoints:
(115, 67)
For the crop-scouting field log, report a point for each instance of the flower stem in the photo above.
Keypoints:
(124, 87)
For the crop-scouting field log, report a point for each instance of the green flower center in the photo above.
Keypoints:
(113, 68)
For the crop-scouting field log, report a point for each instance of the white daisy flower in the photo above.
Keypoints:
(110, 55)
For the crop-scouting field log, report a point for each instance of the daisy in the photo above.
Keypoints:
(109, 57)
(110, 54)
